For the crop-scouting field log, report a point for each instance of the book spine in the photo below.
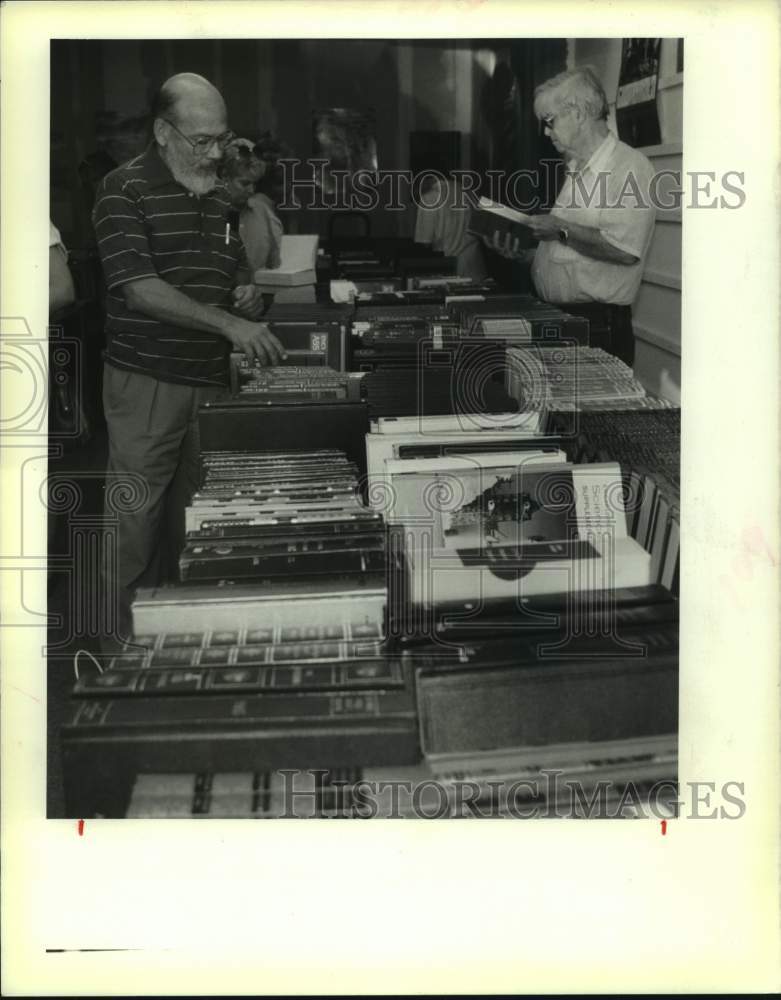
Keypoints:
(507, 707)
(379, 673)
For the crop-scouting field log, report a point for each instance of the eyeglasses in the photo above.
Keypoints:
(204, 144)
(548, 121)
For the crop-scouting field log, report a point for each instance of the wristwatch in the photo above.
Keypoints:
(563, 235)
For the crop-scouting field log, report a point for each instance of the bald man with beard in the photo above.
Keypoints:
(179, 298)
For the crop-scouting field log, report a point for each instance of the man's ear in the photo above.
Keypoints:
(159, 130)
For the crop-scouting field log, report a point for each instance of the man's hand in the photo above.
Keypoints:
(248, 301)
(506, 246)
(256, 341)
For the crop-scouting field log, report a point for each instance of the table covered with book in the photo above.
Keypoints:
(440, 546)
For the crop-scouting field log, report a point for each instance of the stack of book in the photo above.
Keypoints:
(264, 487)
(433, 374)
(272, 649)
(297, 269)
(647, 444)
(246, 794)
(521, 319)
(310, 312)
(393, 300)
(111, 736)
(626, 779)
(392, 440)
(574, 378)
(291, 384)
(533, 626)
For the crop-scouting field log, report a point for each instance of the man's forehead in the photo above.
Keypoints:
(199, 114)
(547, 104)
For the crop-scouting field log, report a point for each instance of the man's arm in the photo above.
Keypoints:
(156, 298)
(128, 266)
(585, 239)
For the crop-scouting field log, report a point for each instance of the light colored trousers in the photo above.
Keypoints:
(153, 470)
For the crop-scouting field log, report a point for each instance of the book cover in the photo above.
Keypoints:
(490, 217)
(484, 533)
(479, 501)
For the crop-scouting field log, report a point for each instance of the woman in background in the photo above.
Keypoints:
(254, 179)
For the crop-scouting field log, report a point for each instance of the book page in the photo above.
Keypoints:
(298, 253)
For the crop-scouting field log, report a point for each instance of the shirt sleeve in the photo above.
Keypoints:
(123, 244)
(627, 221)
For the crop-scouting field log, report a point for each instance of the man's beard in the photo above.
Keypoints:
(200, 180)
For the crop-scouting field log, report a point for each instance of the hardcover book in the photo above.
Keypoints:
(490, 217)
(298, 261)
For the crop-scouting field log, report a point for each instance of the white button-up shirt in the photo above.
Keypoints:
(611, 194)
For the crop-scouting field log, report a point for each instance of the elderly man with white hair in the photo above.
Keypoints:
(594, 242)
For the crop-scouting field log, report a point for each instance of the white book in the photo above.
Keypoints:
(496, 208)
(467, 461)
(532, 529)
(298, 259)
(411, 448)
(459, 422)
(482, 500)
(592, 563)
(242, 606)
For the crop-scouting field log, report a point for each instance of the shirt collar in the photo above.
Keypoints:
(155, 171)
(598, 158)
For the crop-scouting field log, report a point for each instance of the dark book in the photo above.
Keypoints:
(489, 217)
(545, 619)
(108, 741)
(254, 673)
(493, 701)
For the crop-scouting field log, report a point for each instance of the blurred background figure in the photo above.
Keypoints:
(61, 290)
(442, 222)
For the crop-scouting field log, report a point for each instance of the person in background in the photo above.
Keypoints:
(61, 290)
(179, 298)
(253, 181)
(442, 222)
(594, 242)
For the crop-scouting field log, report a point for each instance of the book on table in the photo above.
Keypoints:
(298, 257)
(482, 531)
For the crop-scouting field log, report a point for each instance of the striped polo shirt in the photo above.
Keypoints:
(149, 226)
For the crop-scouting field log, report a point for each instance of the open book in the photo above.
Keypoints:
(298, 258)
(490, 217)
